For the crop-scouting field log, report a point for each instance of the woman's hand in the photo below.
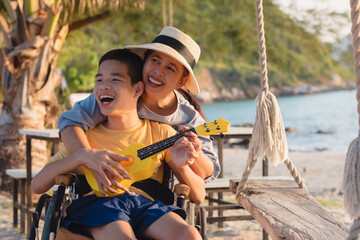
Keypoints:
(106, 168)
(193, 138)
(203, 166)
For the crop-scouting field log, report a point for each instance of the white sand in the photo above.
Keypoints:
(323, 176)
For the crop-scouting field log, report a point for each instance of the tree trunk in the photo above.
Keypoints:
(28, 69)
(29, 79)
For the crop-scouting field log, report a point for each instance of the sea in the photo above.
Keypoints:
(323, 121)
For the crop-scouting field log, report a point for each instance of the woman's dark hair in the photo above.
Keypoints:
(133, 61)
(192, 101)
(183, 92)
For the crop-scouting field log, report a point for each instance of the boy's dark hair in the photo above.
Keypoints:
(133, 61)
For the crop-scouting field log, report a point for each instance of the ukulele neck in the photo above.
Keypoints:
(155, 148)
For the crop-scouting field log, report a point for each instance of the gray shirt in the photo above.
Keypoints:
(86, 114)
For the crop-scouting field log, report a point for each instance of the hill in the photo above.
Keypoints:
(226, 32)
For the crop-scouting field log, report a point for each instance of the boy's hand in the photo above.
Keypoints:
(183, 153)
(113, 187)
(106, 168)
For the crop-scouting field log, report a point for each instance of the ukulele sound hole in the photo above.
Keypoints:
(128, 163)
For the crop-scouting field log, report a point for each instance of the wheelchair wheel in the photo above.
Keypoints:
(36, 215)
(53, 214)
(201, 222)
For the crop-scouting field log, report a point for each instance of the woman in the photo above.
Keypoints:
(168, 66)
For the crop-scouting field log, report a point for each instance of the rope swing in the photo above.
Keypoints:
(351, 182)
(268, 138)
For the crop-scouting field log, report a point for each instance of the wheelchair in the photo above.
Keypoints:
(71, 186)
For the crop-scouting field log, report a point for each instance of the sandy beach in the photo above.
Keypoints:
(322, 172)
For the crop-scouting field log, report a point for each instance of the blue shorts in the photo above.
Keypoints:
(139, 211)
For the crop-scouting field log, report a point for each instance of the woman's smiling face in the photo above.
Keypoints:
(113, 89)
(162, 74)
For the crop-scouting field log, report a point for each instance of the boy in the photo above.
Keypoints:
(126, 216)
(169, 61)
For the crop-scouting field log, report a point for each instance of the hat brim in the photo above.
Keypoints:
(192, 85)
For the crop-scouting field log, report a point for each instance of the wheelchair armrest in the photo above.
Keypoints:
(182, 190)
(64, 179)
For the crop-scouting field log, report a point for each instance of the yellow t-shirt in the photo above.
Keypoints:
(145, 131)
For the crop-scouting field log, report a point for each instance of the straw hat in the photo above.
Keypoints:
(174, 43)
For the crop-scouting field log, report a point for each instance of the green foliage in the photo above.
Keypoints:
(227, 34)
(79, 67)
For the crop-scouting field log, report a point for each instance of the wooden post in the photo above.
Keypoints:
(28, 180)
(22, 204)
(221, 175)
(265, 167)
(15, 200)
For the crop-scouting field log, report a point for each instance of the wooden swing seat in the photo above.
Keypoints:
(286, 211)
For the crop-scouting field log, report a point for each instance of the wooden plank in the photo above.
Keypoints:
(48, 133)
(21, 172)
(238, 131)
(286, 211)
(224, 183)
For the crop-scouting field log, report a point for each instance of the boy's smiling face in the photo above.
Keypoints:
(113, 89)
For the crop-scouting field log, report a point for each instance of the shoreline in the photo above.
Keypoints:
(207, 96)
(321, 171)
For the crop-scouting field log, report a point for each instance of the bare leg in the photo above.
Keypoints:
(113, 231)
(171, 226)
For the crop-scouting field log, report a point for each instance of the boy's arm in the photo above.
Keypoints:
(182, 153)
(45, 179)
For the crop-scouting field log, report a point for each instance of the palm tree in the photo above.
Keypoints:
(34, 32)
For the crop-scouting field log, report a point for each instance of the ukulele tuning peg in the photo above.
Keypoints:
(207, 130)
(218, 128)
(215, 122)
(205, 125)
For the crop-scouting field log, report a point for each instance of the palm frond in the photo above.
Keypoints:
(10, 10)
(31, 8)
(22, 33)
(51, 22)
(5, 31)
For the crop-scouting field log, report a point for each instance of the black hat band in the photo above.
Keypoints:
(178, 46)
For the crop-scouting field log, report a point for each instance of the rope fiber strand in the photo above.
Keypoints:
(351, 180)
(268, 137)
(354, 230)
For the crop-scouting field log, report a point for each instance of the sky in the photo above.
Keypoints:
(340, 6)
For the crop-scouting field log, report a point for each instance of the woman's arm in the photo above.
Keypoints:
(190, 115)
(182, 153)
(85, 114)
(202, 166)
(74, 138)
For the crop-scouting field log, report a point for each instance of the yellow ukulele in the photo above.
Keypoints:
(142, 164)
